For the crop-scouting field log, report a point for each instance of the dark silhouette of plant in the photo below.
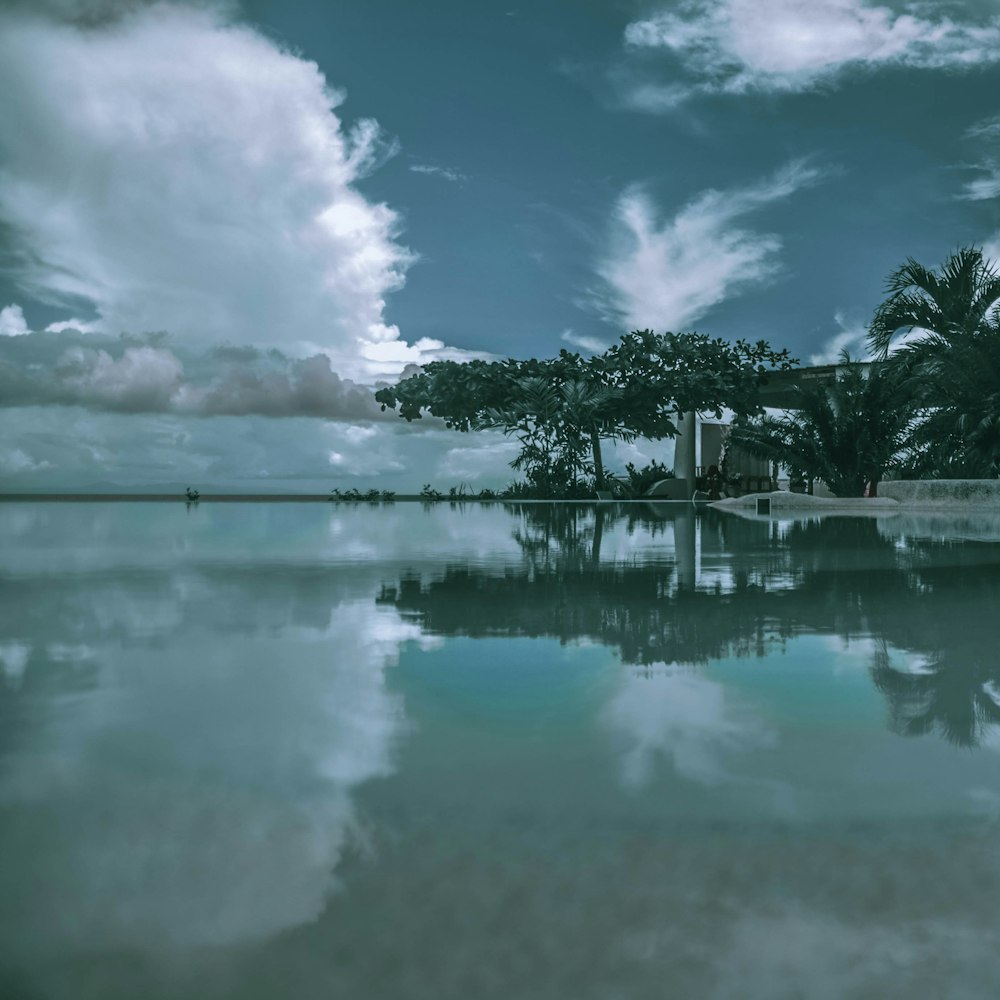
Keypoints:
(191, 495)
(953, 369)
(958, 300)
(846, 432)
(639, 481)
(960, 699)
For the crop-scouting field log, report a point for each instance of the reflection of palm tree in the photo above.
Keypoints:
(959, 699)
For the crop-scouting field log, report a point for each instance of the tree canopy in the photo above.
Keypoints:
(560, 409)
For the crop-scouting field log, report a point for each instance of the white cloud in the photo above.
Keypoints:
(143, 378)
(80, 325)
(14, 662)
(852, 337)
(178, 171)
(445, 173)
(666, 275)
(487, 455)
(991, 249)
(735, 46)
(16, 461)
(591, 344)
(683, 716)
(987, 186)
(12, 321)
(234, 830)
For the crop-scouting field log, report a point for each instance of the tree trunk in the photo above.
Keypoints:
(595, 443)
(595, 550)
(873, 487)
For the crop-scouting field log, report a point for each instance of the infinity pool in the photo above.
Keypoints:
(537, 751)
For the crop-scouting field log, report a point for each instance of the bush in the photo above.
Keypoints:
(640, 480)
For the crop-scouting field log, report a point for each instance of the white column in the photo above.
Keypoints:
(684, 445)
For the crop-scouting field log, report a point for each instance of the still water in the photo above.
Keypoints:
(536, 751)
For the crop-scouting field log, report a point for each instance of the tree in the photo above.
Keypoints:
(953, 369)
(958, 389)
(846, 433)
(562, 408)
(958, 301)
(559, 409)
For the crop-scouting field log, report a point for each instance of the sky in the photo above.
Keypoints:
(222, 224)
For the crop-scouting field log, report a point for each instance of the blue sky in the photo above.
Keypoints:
(281, 204)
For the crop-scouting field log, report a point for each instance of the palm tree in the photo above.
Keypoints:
(846, 433)
(959, 300)
(959, 387)
(953, 370)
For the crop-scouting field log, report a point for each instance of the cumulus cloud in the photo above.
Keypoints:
(736, 46)
(177, 170)
(667, 274)
(682, 716)
(135, 377)
(234, 831)
(12, 321)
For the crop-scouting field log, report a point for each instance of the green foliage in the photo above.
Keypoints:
(953, 370)
(959, 300)
(427, 492)
(638, 481)
(846, 433)
(192, 496)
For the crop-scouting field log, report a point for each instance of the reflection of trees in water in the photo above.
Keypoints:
(629, 607)
(838, 576)
(958, 697)
(948, 625)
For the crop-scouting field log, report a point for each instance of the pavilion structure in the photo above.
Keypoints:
(780, 390)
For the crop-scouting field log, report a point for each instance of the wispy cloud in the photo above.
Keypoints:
(445, 173)
(986, 135)
(852, 337)
(666, 274)
(736, 46)
(591, 344)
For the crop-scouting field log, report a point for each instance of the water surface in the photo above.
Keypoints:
(495, 751)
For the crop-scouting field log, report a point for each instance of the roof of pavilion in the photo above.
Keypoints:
(781, 388)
